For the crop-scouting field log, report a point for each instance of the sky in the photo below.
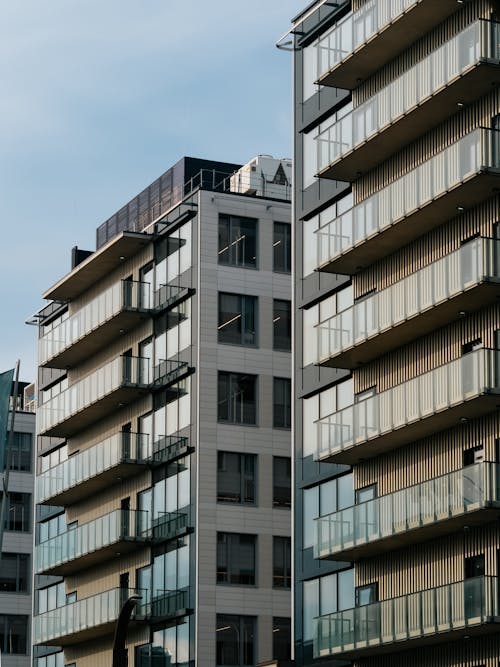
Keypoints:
(101, 97)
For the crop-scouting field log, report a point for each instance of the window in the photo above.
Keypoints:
(282, 481)
(51, 660)
(282, 247)
(14, 634)
(282, 325)
(235, 640)
(21, 452)
(52, 527)
(237, 319)
(282, 409)
(236, 559)
(18, 512)
(236, 478)
(282, 638)
(238, 241)
(51, 597)
(326, 595)
(323, 499)
(237, 398)
(366, 594)
(14, 573)
(282, 562)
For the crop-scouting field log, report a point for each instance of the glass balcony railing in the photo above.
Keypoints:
(124, 295)
(89, 617)
(168, 525)
(478, 42)
(54, 555)
(475, 153)
(121, 448)
(477, 261)
(462, 606)
(163, 605)
(168, 371)
(421, 507)
(169, 448)
(168, 295)
(343, 434)
(122, 372)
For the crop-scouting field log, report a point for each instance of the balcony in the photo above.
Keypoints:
(466, 608)
(364, 41)
(465, 388)
(92, 543)
(462, 70)
(415, 514)
(164, 605)
(168, 526)
(168, 296)
(93, 327)
(109, 462)
(114, 385)
(459, 177)
(89, 618)
(462, 282)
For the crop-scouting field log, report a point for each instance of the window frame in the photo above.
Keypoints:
(286, 251)
(244, 478)
(286, 406)
(230, 548)
(282, 548)
(232, 406)
(231, 222)
(278, 313)
(243, 314)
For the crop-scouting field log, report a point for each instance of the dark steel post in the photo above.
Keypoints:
(120, 657)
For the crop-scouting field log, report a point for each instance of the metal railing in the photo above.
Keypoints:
(479, 41)
(444, 609)
(455, 494)
(126, 294)
(465, 158)
(448, 385)
(122, 371)
(163, 604)
(474, 262)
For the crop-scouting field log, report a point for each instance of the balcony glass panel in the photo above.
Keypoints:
(479, 40)
(126, 294)
(356, 29)
(439, 499)
(97, 385)
(448, 608)
(90, 537)
(84, 614)
(163, 604)
(120, 447)
(451, 384)
(442, 280)
(458, 162)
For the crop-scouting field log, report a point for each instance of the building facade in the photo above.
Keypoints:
(164, 431)
(397, 331)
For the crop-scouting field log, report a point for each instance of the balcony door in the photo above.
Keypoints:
(474, 588)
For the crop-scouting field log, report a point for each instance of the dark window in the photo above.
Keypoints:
(474, 566)
(366, 594)
(237, 241)
(282, 325)
(282, 246)
(237, 319)
(235, 640)
(282, 638)
(236, 559)
(282, 409)
(13, 634)
(473, 455)
(237, 398)
(282, 562)
(236, 478)
(14, 573)
(282, 481)
(21, 452)
(18, 512)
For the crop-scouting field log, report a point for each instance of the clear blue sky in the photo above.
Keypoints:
(99, 98)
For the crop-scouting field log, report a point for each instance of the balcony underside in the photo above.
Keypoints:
(123, 546)
(468, 87)
(89, 633)
(388, 43)
(101, 408)
(441, 527)
(98, 339)
(439, 637)
(440, 421)
(420, 324)
(103, 480)
(475, 190)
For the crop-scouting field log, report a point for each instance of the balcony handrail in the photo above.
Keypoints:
(450, 383)
(461, 604)
(408, 91)
(475, 261)
(124, 294)
(468, 156)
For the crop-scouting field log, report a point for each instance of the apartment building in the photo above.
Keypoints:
(396, 222)
(164, 422)
(16, 561)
